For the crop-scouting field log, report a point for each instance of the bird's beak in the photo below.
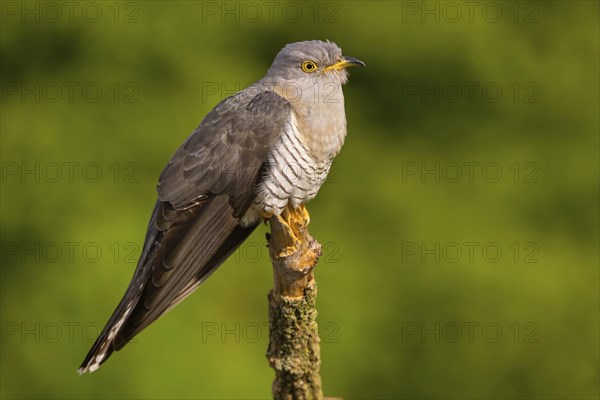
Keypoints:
(345, 62)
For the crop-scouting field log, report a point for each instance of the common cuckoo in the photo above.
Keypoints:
(258, 152)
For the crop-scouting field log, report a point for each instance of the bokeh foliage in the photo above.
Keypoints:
(374, 292)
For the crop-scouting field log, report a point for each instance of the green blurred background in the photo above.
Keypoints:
(435, 282)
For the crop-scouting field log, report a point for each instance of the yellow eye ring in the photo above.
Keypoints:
(309, 66)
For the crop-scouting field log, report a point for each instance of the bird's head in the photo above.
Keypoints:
(311, 61)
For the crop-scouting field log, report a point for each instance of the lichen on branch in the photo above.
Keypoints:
(294, 350)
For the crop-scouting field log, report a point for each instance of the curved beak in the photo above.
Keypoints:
(345, 62)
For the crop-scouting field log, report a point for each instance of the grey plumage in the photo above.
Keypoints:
(256, 151)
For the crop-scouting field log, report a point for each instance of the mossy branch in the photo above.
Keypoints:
(294, 350)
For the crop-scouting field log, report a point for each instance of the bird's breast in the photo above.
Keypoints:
(293, 175)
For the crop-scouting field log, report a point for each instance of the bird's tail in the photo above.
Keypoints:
(103, 347)
(107, 341)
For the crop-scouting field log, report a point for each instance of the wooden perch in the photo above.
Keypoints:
(294, 351)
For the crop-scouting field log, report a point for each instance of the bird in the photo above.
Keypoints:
(261, 151)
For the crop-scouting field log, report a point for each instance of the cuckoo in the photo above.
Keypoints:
(260, 152)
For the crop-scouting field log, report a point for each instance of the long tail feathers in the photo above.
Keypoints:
(165, 274)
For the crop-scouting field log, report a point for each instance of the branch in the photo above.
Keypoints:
(294, 351)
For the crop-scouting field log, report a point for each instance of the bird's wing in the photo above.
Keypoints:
(203, 192)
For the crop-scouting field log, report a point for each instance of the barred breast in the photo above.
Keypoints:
(293, 176)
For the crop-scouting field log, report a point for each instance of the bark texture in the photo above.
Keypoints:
(294, 350)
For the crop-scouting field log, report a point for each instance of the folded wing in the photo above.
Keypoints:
(203, 192)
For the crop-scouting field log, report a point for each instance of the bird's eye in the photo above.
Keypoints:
(309, 66)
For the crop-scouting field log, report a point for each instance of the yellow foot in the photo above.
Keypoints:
(291, 238)
(294, 221)
(303, 215)
(298, 218)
